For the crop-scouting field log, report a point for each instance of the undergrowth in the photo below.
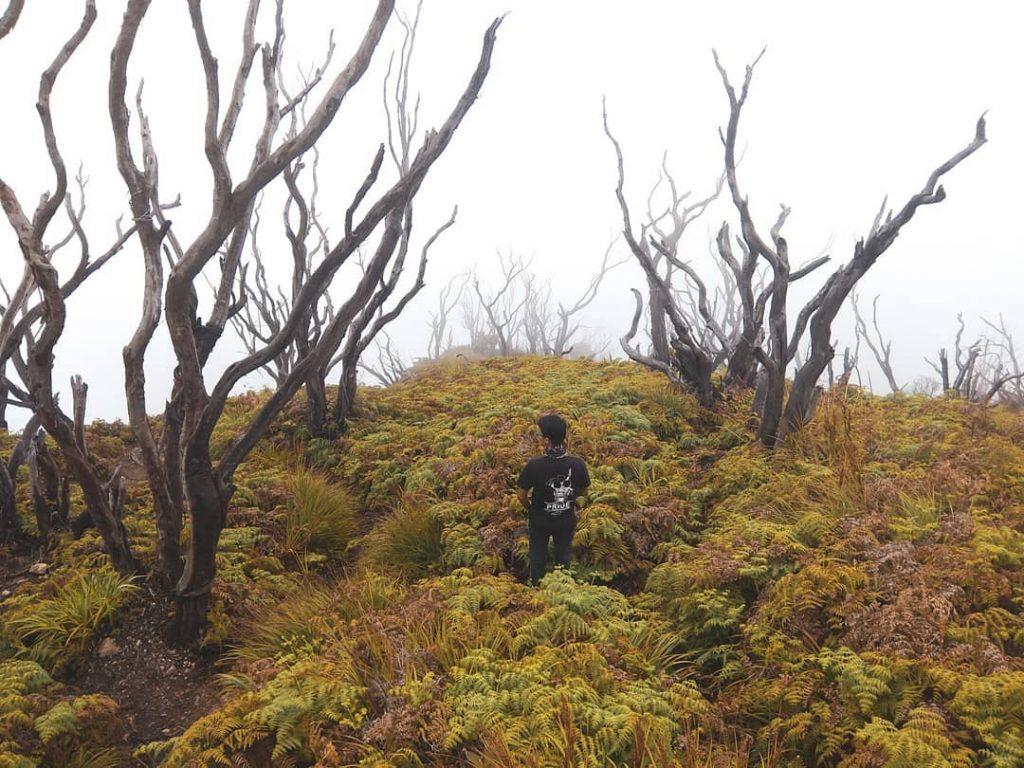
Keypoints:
(853, 599)
(322, 517)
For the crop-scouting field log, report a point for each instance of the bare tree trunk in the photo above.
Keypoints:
(660, 349)
(776, 361)
(771, 400)
(10, 524)
(316, 404)
(742, 369)
(346, 399)
(45, 483)
(944, 370)
(208, 500)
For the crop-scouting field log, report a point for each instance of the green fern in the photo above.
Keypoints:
(922, 741)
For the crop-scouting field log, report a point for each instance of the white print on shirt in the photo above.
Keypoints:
(562, 491)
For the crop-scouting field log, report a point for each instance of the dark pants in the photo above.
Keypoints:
(560, 530)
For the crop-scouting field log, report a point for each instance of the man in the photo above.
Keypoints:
(548, 488)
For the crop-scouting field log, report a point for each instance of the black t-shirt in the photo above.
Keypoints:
(555, 483)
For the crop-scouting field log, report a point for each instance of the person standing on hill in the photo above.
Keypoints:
(548, 488)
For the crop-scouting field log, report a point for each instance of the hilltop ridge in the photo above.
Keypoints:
(853, 598)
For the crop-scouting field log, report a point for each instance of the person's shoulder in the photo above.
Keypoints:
(580, 466)
(579, 461)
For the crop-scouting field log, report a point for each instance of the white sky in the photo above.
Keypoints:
(851, 102)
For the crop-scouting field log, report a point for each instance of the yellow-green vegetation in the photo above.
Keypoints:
(852, 599)
(54, 624)
(407, 541)
(42, 725)
(322, 517)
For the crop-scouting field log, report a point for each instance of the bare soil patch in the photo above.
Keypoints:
(160, 689)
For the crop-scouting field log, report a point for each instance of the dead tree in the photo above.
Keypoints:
(962, 381)
(779, 414)
(440, 330)
(501, 312)
(993, 376)
(373, 318)
(523, 315)
(389, 368)
(709, 327)
(772, 346)
(402, 117)
(880, 348)
(766, 346)
(1007, 380)
(553, 330)
(705, 333)
(38, 327)
(979, 372)
(267, 307)
(689, 363)
(538, 317)
(183, 473)
(481, 341)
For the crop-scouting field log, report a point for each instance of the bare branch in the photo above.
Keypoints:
(10, 17)
(880, 348)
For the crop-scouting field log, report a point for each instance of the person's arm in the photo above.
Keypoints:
(524, 498)
(524, 483)
(584, 480)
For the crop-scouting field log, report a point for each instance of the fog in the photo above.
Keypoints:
(850, 103)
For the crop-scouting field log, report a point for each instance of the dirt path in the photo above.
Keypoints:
(15, 567)
(160, 690)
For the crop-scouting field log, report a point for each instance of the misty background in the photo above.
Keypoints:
(849, 104)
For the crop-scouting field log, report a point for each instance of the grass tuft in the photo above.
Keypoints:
(54, 629)
(408, 541)
(322, 517)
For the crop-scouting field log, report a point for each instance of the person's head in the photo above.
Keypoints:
(553, 429)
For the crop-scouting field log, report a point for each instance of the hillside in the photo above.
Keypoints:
(853, 599)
